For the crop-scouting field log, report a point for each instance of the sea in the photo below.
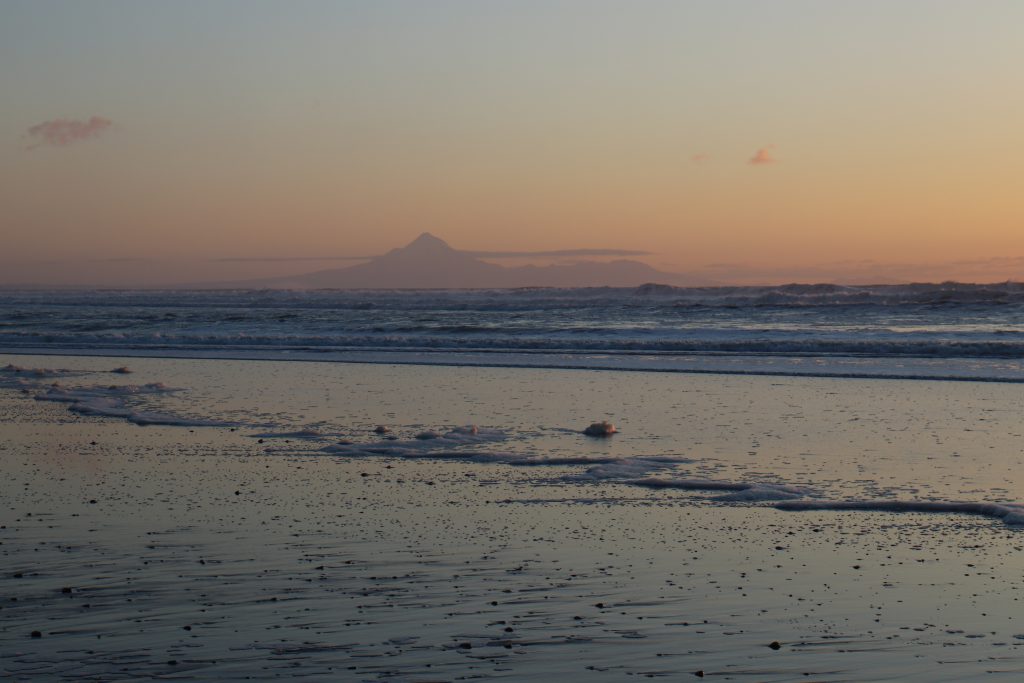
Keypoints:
(948, 331)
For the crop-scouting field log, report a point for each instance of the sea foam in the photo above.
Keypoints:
(463, 444)
(1010, 513)
(112, 401)
(738, 491)
(628, 468)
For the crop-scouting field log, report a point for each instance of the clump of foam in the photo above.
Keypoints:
(1010, 513)
(34, 373)
(426, 443)
(429, 435)
(603, 428)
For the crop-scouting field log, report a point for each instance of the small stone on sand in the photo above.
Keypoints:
(604, 428)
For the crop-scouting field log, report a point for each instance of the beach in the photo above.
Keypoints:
(251, 524)
(570, 341)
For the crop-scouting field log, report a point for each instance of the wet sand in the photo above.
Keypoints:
(212, 552)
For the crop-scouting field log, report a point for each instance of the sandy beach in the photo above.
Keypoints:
(287, 539)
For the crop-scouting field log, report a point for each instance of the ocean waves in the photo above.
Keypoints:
(916, 345)
(960, 323)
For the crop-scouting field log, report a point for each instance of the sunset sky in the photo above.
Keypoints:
(877, 140)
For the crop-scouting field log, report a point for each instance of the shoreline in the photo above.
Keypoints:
(479, 359)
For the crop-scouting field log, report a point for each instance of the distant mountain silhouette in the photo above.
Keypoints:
(429, 262)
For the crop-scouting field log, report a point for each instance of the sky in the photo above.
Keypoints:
(146, 142)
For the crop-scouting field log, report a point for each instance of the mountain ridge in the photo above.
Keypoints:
(429, 262)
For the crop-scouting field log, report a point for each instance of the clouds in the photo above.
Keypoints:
(763, 156)
(557, 252)
(288, 259)
(64, 132)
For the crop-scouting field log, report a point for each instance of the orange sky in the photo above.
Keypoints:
(888, 135)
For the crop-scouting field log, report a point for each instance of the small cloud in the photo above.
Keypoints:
(700, 158)
(763, 156)
(557, 253)
(63, 132)
(286, 259)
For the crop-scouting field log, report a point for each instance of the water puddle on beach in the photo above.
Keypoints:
(736, 528)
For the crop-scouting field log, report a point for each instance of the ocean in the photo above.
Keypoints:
(947, 331)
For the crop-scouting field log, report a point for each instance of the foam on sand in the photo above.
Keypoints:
(628, 468)
(112, 401)
(59, 392)
(1010, 513)
(310, 434)
(428, 442)
(457, 444)
(18, 375)
(738, 491)
(11, 369)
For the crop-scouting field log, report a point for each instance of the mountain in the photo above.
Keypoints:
(429, 262)
(426, 262)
